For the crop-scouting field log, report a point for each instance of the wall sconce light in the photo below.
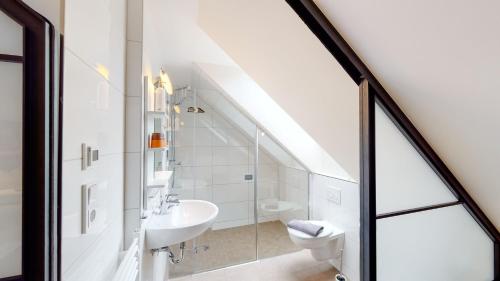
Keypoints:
(165, 83)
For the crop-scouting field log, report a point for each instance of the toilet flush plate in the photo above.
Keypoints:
(334, 195)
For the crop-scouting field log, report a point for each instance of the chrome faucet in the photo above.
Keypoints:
(172, 200)
(167, 202)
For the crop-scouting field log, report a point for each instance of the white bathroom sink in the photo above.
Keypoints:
(181, 223)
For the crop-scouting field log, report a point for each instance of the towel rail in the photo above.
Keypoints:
(129, 266)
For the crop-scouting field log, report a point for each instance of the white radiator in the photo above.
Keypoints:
(129, 266)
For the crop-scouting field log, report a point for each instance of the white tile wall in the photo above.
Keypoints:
(230, 174)
(108, 170)
(203, 193)
(344, 216)
(133, 121)
(231, 192)
(92, 110)
(132, 224)
(294, 187)
(232, 211)
(194, 155)
(225, 156)
(95, 31)
(93, 114)
(132, 180)
(133, 132)
(134, 68)
(100, 259)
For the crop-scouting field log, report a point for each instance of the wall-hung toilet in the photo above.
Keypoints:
(326, 246)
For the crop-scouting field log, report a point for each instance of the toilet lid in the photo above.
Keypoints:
(327, 230)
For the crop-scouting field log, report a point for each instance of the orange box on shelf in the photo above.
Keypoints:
(157, 140)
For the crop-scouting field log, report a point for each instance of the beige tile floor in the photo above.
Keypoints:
(298, 266)
(278, 255)
(234, 246)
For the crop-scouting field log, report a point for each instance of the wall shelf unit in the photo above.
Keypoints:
(156, 113)
(157, 148)
(157, 173)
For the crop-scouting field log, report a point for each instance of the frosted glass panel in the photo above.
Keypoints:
(404, 179)
(440, 245)
(12, 36)
(10, 168)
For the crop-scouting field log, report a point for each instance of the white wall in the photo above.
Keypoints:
(93, 114)
(173, 39)
(344, 215)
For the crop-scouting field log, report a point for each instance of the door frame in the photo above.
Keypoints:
(41, 143)
(371, 92)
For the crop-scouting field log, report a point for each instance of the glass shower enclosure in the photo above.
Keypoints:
(222, 156)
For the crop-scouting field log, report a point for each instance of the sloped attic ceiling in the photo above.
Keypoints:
(276, 49)
(440, 61)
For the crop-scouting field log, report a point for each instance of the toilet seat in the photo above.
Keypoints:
(325, 246)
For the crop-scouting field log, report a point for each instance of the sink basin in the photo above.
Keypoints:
(181, 223)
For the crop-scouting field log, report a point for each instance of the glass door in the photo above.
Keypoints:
(214, 144)
(282, 194)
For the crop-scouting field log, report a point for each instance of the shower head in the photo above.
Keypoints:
(192, 109)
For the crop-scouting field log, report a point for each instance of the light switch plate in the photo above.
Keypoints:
(334, 195)
(93, 207)
(89, 156)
